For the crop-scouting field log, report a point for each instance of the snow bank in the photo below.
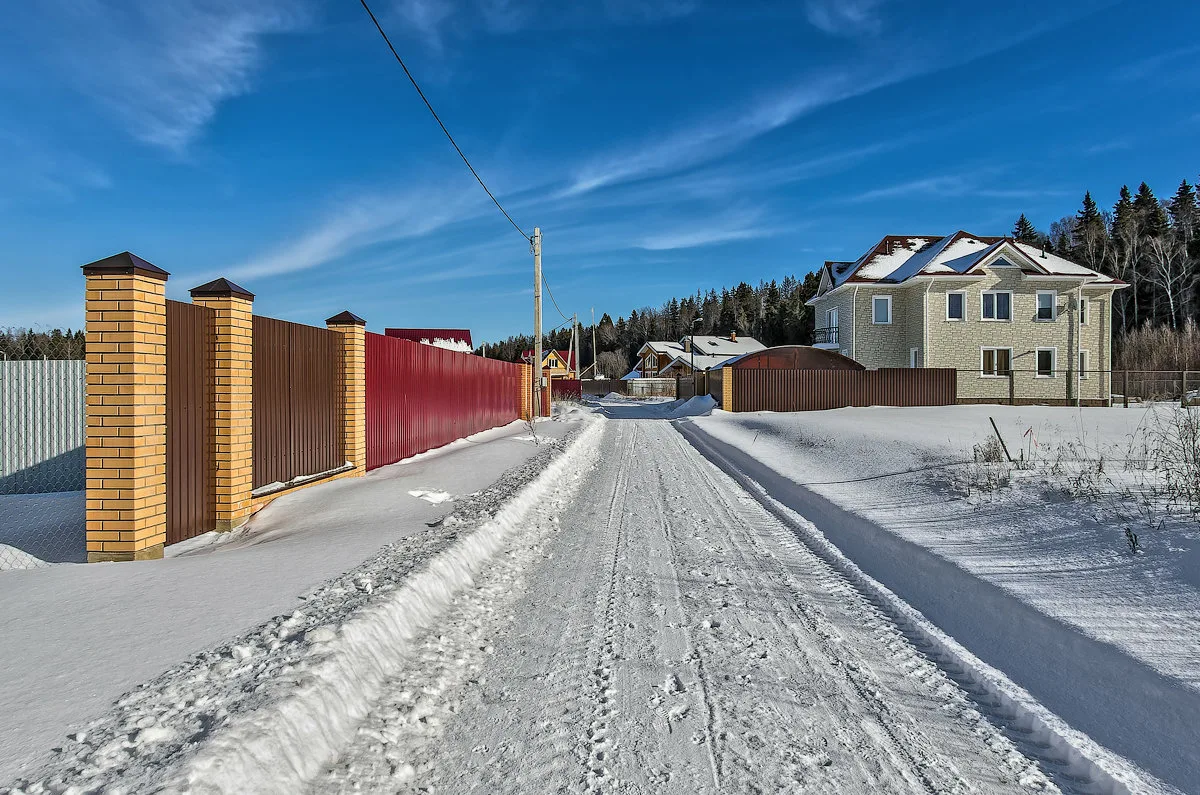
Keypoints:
(12, 559)
(281, 745)
(698, 406)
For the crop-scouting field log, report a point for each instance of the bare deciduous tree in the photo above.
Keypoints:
(1169, 271)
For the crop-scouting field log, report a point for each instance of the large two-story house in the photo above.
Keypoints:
(1017, 322)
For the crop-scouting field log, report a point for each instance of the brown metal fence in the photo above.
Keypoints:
(190, 509)
(816, 390)
(298, 428)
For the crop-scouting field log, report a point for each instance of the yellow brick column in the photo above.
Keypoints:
(727, 389)
(126, 439)
(354, 385)
(231, 406)
(526, 388)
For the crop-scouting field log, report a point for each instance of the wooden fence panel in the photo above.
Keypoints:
(190, 509)
(298, 424)
(818, 390)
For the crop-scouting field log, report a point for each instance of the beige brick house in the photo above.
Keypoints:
(1017, 323)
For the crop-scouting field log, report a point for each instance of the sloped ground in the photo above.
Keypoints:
(1036, 583)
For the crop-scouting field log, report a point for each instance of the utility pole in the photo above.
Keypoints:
(594, 351)
(537, 319)
(575, 333)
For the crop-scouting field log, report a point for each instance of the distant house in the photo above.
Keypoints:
(669, 359)
(557, 364)
(1017, 323)
(454, 339)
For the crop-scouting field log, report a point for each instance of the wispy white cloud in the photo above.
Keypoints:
(951, 186)
(724, 228)
(720, 136)
(845, 17)
(362, 222)
(1152, 65)
(161, 68)
(436, 20)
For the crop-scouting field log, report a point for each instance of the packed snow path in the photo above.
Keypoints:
(655, 629)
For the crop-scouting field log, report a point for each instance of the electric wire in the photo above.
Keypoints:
(438, 119)
(551, 294)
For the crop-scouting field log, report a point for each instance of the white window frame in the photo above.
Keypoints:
(831, 317)
(1037, 366)
(983, 349)
(1037, 314)
(1083, 310)
(914, 357)
(983, 300)
(962, 293)
(874, 320)
(1083, 365)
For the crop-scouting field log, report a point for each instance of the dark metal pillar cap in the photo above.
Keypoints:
(221, 288)
(346, 319)
(124, 264)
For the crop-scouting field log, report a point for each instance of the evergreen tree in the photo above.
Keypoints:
(1150, 214)
(1024, 232)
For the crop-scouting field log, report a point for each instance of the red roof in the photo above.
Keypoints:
(566, 356)
(431, 334)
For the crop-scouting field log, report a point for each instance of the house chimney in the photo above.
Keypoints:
(733, 336)
(1044, 250)
(687, 344)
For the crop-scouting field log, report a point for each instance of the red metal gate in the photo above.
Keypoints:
(298, 427)
(420, 397)
(190, 509)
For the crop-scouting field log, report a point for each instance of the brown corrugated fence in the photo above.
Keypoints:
(815, 390)
(190, 509)
(298, 427)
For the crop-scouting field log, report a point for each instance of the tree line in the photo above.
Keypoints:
(26, 343)
(1152, 244)
(772, 312)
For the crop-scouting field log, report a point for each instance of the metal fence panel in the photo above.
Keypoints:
(41, 426)
(818, 390)
(420, 397)
(298, 426)
(190, 509)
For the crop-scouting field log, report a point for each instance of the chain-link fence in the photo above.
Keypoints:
(42, 463)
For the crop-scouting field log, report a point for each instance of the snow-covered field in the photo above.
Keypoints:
(1001, 569)
(633, 610)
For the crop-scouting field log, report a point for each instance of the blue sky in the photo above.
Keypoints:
(662, 145)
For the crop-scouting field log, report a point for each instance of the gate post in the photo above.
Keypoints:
(231, 410)
(727, 388)
(126, 439)
(354, 386)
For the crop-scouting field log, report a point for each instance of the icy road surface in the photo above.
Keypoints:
(654, 628)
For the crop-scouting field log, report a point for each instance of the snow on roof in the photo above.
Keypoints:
(1059, 266)
(898, 258)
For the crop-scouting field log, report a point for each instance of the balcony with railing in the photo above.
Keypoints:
(825, 336)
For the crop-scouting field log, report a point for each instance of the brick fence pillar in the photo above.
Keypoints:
(126, 439)
(231, 408)
(354, 386)
(526, 386)
(727, 389)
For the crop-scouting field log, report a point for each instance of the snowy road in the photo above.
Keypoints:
(654, 628)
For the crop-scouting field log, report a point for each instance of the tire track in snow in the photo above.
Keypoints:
(1068, 758)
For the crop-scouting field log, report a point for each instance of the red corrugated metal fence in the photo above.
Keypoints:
(816, 390)
(420, 397)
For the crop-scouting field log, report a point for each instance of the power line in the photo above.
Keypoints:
(551, 294)
(436, 118)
